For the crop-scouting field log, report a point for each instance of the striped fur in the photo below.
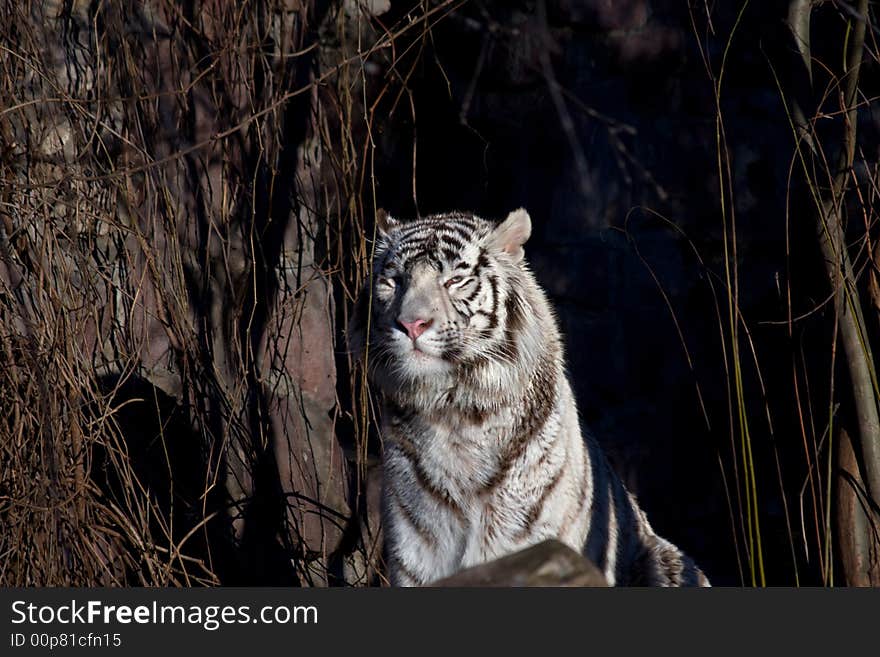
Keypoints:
(483, 451)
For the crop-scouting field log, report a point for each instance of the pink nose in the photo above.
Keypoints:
(415, 328)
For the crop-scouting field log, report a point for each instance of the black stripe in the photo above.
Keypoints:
(493, 282)
(482, 262)
(465, 233)
(628, 544)
(539, 402)
(415, 244)
(398, 562)
(463, 219)
(493, 314)
(440, 495)
(514, 311)
(490, 513)
(508, 349)
(586, 481)
(600, 511)
(474, 294)
(412, 520)
(475, 415)
(463, 309)
(413, 240)
(450, 241)
(430, 255)
(534, 511)
(399, 414)
(493, 322)
(449, 254)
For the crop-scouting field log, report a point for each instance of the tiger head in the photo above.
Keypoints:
(443, 294)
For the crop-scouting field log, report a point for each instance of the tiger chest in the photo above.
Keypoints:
(463, 457)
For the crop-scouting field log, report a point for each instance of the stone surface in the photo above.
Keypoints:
(549, 563)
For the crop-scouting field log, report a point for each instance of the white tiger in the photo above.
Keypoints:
(483, 451)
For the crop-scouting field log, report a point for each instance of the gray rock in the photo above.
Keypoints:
(546, 564)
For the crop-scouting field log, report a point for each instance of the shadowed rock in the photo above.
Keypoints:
(546, 564)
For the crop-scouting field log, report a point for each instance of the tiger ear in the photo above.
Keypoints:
(510, 235)
(386, 223)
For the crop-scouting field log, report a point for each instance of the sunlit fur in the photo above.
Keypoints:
(483, 450)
